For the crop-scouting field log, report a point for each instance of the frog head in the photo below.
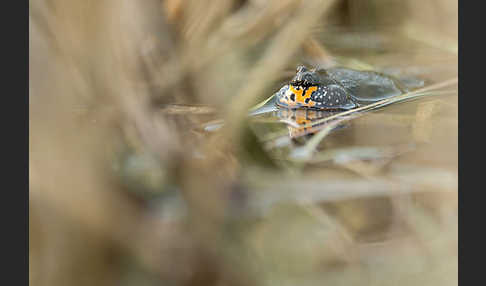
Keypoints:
(305, 77)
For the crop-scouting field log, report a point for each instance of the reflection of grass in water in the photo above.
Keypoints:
(196, 210)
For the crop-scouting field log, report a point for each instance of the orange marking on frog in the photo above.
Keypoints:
(301, 96)
(301, 117)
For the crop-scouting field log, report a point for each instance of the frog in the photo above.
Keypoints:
(336, 88)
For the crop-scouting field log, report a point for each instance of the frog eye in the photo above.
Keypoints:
(301, 69)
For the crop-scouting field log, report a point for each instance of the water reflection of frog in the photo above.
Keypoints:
(302, 120)
(336, 88)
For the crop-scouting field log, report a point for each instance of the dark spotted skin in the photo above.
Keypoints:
(330, 96)
(335, 89)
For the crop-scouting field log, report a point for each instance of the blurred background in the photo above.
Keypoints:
(146, 170)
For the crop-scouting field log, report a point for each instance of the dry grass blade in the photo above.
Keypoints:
(305, 152)
(318, 191)
(261, 104)
(343, 155)
(286, 42)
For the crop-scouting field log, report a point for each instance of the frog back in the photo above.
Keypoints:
(366, 86)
